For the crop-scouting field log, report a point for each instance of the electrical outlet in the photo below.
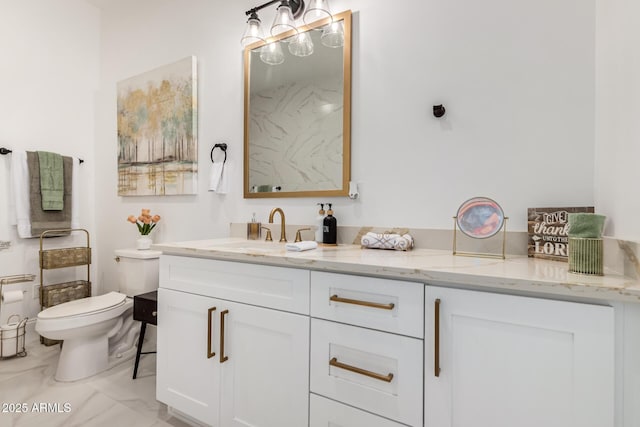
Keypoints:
(36, 291)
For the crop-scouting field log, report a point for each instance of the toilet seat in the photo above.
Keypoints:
(84, 306)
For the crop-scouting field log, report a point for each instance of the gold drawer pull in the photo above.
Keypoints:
(223, 358)
(386, 378)
(210, 354)
(336, 298)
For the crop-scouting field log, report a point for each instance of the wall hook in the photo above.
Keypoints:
(438, 110)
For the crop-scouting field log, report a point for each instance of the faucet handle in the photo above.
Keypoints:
(268, 238)
(298, 236)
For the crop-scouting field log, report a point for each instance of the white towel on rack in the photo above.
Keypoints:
(21, 207)
(219, 177)
(75, 194)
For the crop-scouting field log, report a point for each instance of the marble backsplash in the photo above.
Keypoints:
(620, 256)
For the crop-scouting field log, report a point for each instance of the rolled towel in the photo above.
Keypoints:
(387, 241)
(586, 225)
(301, 246)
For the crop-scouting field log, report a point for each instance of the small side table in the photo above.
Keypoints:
(145, 309)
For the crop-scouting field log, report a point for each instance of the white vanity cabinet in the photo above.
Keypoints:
(495, 360)
(325, 349)
(366, 351)
(228, 363)
(329, 413)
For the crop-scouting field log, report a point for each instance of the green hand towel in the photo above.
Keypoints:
(586, 225)
(51, 181)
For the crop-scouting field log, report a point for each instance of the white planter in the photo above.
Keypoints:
(143, 243)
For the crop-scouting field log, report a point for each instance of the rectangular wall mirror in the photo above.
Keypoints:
(297, 112)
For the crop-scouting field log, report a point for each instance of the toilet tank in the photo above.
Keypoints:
(137, 271)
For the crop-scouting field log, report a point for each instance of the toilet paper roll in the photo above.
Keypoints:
(12, 296)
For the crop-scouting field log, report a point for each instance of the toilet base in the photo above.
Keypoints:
(82, 358)
(87, 356)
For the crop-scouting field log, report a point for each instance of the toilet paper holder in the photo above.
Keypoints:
(13, 337)
(9, 280)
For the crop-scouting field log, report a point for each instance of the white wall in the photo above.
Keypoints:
(617, 117)
(49, 64)
(518, 88)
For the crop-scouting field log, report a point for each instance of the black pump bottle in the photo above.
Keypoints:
(330, 228)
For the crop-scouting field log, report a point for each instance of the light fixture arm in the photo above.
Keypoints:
(262, 6)
(297, 7)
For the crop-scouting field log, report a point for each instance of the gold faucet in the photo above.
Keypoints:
(283, 235)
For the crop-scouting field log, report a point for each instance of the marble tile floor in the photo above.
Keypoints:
(109, 399)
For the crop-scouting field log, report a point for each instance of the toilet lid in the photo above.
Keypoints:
(84, 306)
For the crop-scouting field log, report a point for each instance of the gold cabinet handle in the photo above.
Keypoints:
(336, 298)
(436, 338)
(210, 354)
(386, 378)
(223, 358)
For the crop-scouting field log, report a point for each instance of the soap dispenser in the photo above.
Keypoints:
(320, 223)
(330, 228)
(253, 229)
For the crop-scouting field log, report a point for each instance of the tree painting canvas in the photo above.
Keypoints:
(157, 131)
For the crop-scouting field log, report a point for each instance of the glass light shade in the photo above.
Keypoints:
(253, 33)
(301, 44)
(283, 21)
(272, 53)
(333, 35)
(316, 10)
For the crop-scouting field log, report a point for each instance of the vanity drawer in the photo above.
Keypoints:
(371, 370)
(266, 286)
(329, 413)
(388, 305)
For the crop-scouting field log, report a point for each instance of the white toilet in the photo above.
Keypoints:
(99, 331)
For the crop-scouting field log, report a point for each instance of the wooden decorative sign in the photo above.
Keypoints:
(548, 231)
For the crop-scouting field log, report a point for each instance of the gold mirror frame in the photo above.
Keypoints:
(346, 116)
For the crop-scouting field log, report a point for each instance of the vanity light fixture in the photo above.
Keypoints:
(287, 12)
(315, 11)
(253, 33)
(291, 9)
(284, 21)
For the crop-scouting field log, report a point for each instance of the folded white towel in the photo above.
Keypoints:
(301, 246)
(219, 177)
(387, 241)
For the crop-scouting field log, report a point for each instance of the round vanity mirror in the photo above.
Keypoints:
(480, 217)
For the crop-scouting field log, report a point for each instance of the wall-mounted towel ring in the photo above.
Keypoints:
(223, 147)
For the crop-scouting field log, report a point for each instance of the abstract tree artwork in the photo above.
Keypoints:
(157, 131)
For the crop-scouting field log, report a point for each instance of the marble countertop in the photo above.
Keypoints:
(431, 266)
